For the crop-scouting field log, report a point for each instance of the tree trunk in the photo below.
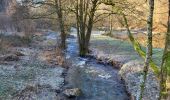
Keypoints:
(111, 25)
(63, 34)
(88, 34)
(78, 24)
(90, 24)
(149, 47)
(61, 23)
(85, 11)
(165, 66)
(82, 25)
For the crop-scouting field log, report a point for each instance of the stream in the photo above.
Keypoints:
(36, 76)
(96, 81)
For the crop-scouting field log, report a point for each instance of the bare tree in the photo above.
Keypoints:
(20, 23)
(85, 13)
(56, 7)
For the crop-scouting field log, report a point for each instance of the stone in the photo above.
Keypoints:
(19, 53)
(72, 92)
(10, 57)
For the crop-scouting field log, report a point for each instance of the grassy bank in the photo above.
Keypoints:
(114, 46)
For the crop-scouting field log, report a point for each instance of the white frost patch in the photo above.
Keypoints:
(54, 82)
(68, 56)
(105, 76)
(81, 63)
(26, 51)
(7, 70)
(97, 33)
(100, 73)
(52, 36)
(91, 71)
(51, 77)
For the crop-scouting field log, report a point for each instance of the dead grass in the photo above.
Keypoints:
(60, 56)
(158, 38)
(54, 55)
(13, 41)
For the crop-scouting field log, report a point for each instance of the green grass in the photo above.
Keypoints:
(120, 47)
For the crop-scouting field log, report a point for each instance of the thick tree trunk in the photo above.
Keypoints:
(149, 47)
(85, 18)
(83, 50)
(88, 34)
(82, 25)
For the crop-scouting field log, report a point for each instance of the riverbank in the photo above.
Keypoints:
(95, 80)
(120, 54)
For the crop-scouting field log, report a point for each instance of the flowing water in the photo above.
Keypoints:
(96, 81)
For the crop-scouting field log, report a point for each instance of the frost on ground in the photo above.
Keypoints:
(16, 78)
(131, 72)
(30, 78)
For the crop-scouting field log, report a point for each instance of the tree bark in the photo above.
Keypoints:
(85, 19)
(90, 24)
(149, 47)
(165, 66)
(61, 23)
(111, 25)
(82, 25)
